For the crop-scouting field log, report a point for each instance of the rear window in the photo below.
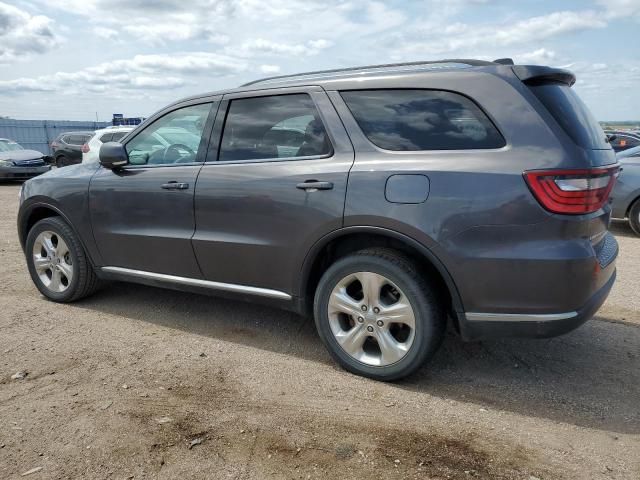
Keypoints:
(412, 120)
(572, 114)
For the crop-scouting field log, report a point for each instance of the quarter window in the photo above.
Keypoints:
(173, 138)
(273, 127)
(412, 120)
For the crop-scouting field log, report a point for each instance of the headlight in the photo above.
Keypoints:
(6, 163)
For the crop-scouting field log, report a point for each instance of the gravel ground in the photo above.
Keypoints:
(138, 382)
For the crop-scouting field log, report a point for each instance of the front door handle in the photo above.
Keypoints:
(173, 185)
(312, 185)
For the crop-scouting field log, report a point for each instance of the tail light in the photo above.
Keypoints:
(572, 191)
(54, 145)
(85, 148)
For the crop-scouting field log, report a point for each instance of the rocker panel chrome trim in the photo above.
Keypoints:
(518, 317)
(227, 287)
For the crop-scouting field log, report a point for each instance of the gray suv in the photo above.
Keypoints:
(387, 200)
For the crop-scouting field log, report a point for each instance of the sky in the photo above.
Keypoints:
(88, 59)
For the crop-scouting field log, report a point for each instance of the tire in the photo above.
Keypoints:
(68, 259)
(62, 161)
(634, 217)
(398, 283)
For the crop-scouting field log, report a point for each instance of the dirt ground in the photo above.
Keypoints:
(138, 382)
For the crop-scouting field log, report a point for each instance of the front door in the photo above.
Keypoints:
(276, 186)
(142, 214)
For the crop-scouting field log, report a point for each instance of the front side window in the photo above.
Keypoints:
(412, 120)
(275, 127)
(173, 138)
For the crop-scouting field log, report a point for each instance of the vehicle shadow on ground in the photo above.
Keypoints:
(590, 377)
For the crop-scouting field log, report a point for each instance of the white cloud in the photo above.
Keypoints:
(164, 72)
(260, 46)
(22, 34)
(269, 68)
(456, 37)
(620, 8)
(539, 56)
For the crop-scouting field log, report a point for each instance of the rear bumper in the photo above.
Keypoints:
(22, 173)
(479, 326)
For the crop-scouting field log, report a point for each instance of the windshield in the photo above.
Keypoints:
(9, 146)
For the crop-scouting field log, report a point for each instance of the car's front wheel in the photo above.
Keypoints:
(57, 262)
(378, 315)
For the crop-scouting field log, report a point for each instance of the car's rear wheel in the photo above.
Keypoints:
(378, 315)
(634, 217)
(57, 262)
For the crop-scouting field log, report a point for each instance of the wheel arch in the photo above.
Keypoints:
(350, 239)
(34, 212)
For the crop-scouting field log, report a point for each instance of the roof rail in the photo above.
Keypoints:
(471, 63)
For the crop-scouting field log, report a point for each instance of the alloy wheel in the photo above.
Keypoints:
(52, 261)
(371, 319)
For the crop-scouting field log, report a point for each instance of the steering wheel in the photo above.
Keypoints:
(176, 147)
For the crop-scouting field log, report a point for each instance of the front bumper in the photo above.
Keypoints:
(479, 326)
(22, 173)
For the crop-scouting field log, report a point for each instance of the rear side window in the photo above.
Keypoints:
(273, 127)
(412, 120)
(76, 139)
(106, 137)
(572, 114)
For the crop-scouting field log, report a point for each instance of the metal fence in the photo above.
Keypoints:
(38, 134)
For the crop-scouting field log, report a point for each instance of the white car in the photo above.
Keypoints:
(91, 149)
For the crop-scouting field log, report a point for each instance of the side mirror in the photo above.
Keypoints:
(113, 155)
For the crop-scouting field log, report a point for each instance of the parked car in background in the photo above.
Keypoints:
(17, 163)
(91, 149)
(66, 149)
(383, 199)
(623, 139)
(626, 193)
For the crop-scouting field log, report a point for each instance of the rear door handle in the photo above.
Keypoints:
(173, 185)
(312, 185)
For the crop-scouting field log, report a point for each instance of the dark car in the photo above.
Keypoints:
(66, 149)
(626, 193)
(622, 140)
(16, 163)
(383, 199)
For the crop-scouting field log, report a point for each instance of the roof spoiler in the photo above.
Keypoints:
(533, 74)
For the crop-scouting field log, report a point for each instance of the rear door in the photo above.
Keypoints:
(275, 185)
(142, 215)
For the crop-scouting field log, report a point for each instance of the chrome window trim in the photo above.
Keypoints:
(196, 282)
